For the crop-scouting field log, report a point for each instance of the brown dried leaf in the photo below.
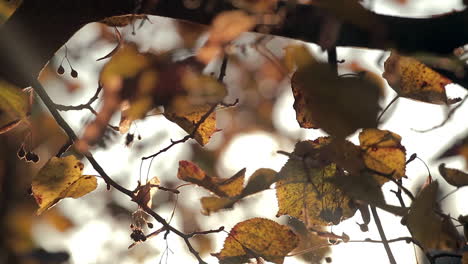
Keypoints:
(453, 177)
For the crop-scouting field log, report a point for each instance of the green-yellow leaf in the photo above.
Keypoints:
(257, 237)
(60, 178)
(382, 152)
(304, 190)
(14, 106)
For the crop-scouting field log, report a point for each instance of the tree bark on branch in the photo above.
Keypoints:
(38, 28)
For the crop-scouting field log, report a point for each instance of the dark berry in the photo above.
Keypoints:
(74, 73)
(129, 139)
(29, 156)
(21, 153)
(328, 259)
(35, 158)
(139, 137)
(60, 70)
(150, 225)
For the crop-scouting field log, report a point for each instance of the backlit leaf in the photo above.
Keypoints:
(14, 106)
(460, 147)
(231, 187)
(188, 120)
(259, 181)
(257, 237)
(60, 178)
(412, 79)
(383, 153)
(432, 230)
(146, 192)
(453, 177)
(304, 190)
(338, 105)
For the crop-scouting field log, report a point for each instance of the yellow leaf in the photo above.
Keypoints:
(58, 179)
(14, 106)
(453, 177)
(257, 237)
(188, 120)
(297, 56)
(433, 231)
(304, 190)
(338, 105)
(231, 187)
(412, 79)
(383, 153)
(214, 204)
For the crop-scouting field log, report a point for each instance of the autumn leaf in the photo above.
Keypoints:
(225, 27)
(363, 187)
(14, 106)
(304, 190)
(309, 240)
(460, 147)
(259, 181)
(231, 187)
(257, 237)
(146, 192)
(432, 230)
(338, 105)
(414, 80)
(453, 177)
(122, 21)
(383, 153)
(60, 178)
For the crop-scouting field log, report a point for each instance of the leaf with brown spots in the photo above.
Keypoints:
(383, 153)
(414, 80)
(255, 238)
(60, 178)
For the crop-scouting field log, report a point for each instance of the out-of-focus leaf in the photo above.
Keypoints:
(364, 187)
(231, 187)
(463, 219)
(433, 231)
(453, 177)
(147, 191)
(14, 106)
(255, 6)
(7, 8)
(188, 121)
(310, 240)
(297, 56)
(226, 27)
(257, 237)
(465, 258)
(60, 178)
(338, 105)
(382, 152)
(122, 21)
(58, 220)
(261, 180)
(458, 148)
(412, 79)
(304, 190)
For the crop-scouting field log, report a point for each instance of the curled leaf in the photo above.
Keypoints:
(60, 178)
(453, 177)
(146, 192)
(231, 187)
(414, 80)
(257, 237)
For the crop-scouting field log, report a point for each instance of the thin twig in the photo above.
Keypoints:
(387, 107)
(332, 59)
(87, 105)
(71, 134)
(205, 232)
(375, 215)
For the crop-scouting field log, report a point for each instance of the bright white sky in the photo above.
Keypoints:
(258, 150)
